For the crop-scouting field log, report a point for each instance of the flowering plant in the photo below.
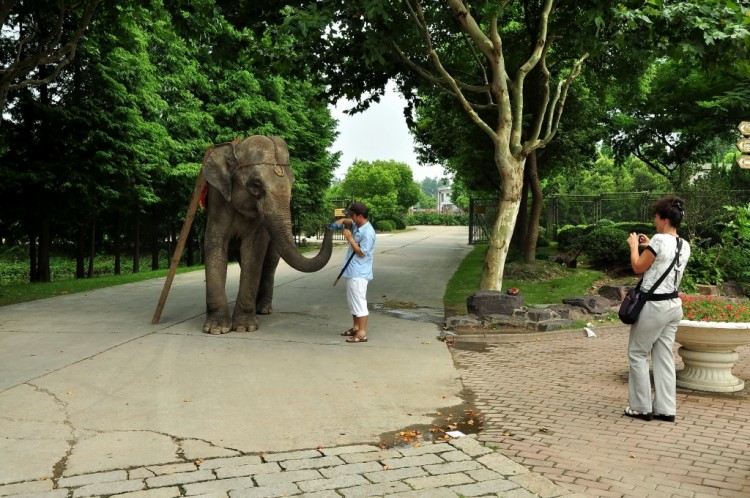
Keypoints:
(711, 309)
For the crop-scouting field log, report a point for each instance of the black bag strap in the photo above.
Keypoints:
(664, 275)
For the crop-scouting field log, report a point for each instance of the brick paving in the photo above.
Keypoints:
(458, 468)
(554, 405)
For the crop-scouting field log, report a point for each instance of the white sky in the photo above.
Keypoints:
(379, 133)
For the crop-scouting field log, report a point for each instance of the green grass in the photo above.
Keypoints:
(21, 292)
(544, 282)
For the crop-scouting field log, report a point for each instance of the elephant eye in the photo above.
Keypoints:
(255, 187)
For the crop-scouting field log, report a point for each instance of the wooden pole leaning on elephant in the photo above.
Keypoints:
(249, 216)
(248, 209)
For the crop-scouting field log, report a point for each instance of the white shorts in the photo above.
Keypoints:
(356, 296)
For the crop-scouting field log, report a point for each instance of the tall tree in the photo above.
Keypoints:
(39, 33)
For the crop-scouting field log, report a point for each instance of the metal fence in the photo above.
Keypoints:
(561, 210)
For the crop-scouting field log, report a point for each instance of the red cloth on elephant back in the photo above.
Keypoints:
(202, 201)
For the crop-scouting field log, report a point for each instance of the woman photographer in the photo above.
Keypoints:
(654, 331)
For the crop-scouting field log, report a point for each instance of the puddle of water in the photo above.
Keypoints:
(463, 418)
(418, 314)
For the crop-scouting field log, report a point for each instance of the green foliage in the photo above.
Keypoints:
(437, 219)
(571, 239)
(385, 226)
(386, 187)
(606, 246)
(714, 262)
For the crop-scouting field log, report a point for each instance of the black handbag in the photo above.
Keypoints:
(631, 306)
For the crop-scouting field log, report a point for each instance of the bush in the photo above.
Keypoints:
(399, 223)
(607, 247)
(385, 226)
(437, 219)
(570, 238)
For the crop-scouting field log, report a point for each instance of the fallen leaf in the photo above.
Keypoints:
(543, 429)
(417, 444)
(198, 462)
(508, 433)
(386, 467)
(632, 456)
(69, 393)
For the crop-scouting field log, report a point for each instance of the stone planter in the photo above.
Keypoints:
(709, 353)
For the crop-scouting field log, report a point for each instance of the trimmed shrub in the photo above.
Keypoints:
(385, 226)
(571, 238)
(607, 247)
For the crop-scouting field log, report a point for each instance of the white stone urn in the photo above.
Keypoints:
(709, 353)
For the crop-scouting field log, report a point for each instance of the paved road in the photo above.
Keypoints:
(96, 401)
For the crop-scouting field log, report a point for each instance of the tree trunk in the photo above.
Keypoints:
(80, 251)
(92, 248)
(154, 243)
(43, 269)
(33, 273)
(532, 229)
(118, 245)
(137, 243)
(502, 228)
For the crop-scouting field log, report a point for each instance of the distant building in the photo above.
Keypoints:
(444, 201)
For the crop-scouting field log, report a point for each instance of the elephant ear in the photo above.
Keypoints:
(218, 167)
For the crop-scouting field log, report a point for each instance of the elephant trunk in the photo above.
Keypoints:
(280, 228)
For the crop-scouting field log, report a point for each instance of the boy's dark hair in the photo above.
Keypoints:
(360, 209)
(670, 207)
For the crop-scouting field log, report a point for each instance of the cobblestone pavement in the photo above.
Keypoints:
(555, 406)
(461, 467)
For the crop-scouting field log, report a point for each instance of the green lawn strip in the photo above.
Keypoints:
(21, 292)
(536, 291)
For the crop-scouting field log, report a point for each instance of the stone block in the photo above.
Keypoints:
(708, 290)
(461, 321)
(732, 289)
(569, 312)
(593, 304)
(497, 321)
(541, 314)
(557, 324)
(483, 303)
(614, 293)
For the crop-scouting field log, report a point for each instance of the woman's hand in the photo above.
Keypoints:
(638, 239)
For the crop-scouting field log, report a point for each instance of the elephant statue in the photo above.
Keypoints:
(249, 186)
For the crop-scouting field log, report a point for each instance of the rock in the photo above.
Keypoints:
(461, 321)
(570, 312)
(614, 292)
(484, 303)
(593, 304)
(496, 321)
(732, 289)
(556, 324)
(541, 314)
(708, 290)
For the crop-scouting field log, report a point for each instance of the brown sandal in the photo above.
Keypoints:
(356, 338)
(349, 333)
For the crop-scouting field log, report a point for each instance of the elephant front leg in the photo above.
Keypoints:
(252, 253)
(265, 288)
(217, 310)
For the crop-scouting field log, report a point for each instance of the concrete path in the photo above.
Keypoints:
(96, 401)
